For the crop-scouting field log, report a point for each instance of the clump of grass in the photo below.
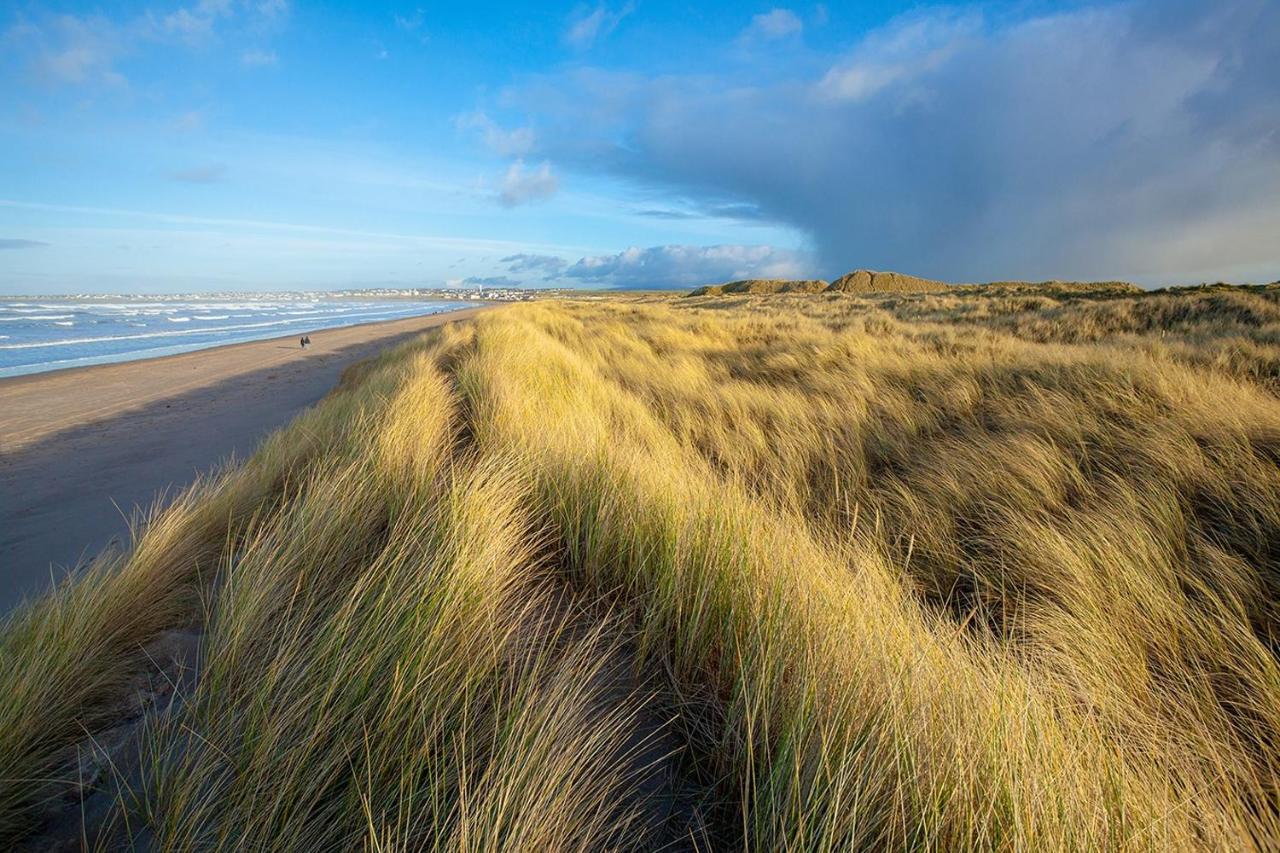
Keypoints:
(892, 572)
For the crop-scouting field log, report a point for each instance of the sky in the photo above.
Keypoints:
(281, 144)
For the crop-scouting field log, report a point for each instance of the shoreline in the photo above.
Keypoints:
(13, 389)
(202, 348)
(81, 447)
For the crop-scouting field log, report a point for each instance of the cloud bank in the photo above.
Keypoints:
(652, 268)
(661, 267)
(1138, 140)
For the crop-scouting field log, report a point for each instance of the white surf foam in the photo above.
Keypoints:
(350, 319)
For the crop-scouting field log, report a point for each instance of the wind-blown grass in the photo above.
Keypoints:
(792, 573)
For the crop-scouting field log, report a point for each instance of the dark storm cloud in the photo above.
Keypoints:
(1138, 140)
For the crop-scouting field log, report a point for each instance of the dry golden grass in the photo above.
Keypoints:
(812, 572)
(757, 286)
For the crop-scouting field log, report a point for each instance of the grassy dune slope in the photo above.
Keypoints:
(785, 573)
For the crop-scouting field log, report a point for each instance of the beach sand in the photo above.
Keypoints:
(80, 448)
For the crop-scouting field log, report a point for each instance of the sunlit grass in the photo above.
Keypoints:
(907, 572)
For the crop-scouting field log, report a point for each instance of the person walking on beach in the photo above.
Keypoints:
(302, 342)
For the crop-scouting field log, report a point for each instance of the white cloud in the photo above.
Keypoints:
(273, 9)
(258, 58)
(774, 24)
(193, 24)
(411, 22)
(687, 266)
(505, 143)
(524, 186)
(68, 50)
(911, 46)
(585, 27)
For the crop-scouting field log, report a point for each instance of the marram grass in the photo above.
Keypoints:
(792, 573)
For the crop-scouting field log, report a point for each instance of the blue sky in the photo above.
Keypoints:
(279, 144)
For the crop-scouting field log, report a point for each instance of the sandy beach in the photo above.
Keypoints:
(80, 448)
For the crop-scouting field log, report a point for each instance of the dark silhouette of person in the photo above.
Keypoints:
(302, 342)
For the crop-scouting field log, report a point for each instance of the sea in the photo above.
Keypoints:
(49, 333)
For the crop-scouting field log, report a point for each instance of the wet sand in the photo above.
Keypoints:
(81, 448)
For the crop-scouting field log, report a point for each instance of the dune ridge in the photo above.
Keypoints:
(942, 572)
(866, 282)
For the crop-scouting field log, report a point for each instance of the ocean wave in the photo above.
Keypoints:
(210, 317)
(178, 319)
(65, 323)
(36, 317)
(349, 319)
